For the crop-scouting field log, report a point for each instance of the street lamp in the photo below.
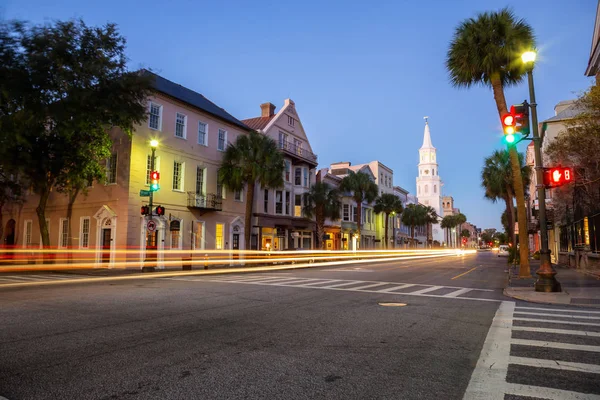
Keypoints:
(546, 274)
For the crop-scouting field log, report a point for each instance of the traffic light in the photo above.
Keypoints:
(160, 210)
(145, 210)
(154, 177)
(516, 122)
(557, 176)
(508, 127)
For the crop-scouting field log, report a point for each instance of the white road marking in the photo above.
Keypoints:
(556, 309)
(556, 315)
(458, 292)
(392, 289)
(321, 281)
(370, 286)
(557, 331)
(431, 289)
(540, 392)
(554, 321)
(293, 282)
(340, 284)
(564, 365)
(488, 380)
(555, 345)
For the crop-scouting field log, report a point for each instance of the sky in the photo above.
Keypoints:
(362, 74)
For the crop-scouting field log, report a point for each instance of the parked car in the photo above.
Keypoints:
(503, 251)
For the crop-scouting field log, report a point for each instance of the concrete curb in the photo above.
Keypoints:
(531, 296)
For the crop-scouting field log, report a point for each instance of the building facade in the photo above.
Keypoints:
(278, 220)
(333, 229)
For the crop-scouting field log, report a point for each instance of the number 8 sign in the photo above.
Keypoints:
(557, 176)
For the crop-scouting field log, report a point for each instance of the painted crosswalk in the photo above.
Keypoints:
(552, 353)
(28, 278)
(409, 289)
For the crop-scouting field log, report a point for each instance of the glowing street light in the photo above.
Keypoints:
(154, 143)
(528, 57)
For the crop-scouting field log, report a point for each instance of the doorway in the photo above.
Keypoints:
(235, 245)
(106, 233)
(9, 233)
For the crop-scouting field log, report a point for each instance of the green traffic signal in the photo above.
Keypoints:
(510, 139)
(154, 187)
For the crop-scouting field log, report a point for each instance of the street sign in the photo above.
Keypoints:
(151, 226)
(144, 193)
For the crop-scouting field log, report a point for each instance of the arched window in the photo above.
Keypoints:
(426, 188)
(433, 171)
(434, 188)
(419, 189)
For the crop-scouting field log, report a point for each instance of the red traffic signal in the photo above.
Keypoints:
(557, 176)
(508, 124)
(154, 175)
(145, 210)
(160, 210)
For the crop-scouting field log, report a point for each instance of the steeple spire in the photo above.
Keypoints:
(427, 136)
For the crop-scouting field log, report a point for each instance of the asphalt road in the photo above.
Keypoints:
(318, 333)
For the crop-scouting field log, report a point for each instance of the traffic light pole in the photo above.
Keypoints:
(151, 259)
(546, 275)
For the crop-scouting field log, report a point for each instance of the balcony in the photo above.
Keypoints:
(207, 202)
(298, 152)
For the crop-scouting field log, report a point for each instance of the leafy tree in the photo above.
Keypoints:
(322, 201)
(578, 146)
(363, 189)
(11, 191)
(64, 86)
(465, 233)
(501, 237)
(487, 235)
(486, 51)
(253, 159)
(387, 204)
(417, 215)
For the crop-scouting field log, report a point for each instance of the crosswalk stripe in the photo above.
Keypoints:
(555, 345)
(9, 279)
(556, 309)
(272, 281)
(457, 292)
(557, 331)
(563, 365)
(292, 282)
(554, 321)
(539, 392)
(257, 279)
(556, 315)
(392, 289)
(341, 284)
(430, 289)
(370, 286)
(320, 281)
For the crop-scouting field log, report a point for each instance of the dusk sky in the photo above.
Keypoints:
(362, 75)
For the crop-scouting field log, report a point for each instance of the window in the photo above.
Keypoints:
(381, 179)
(291, 121)
(175, 228)
(433, 171)
(298, 147)
(287, 203)
(220, 188)
(238, 195)
(200, 189)
(346, 212)
(364, 216)
(266, 204)
(63, 239)
(180, 126)
(111, 169)
(298, 205)
(305, 177)
(202, 134)
(434, 188)
(84, 233)
(419, 189)
(278, 202)
(198, 236)
(148, 168)
(355, 214)
(219, 237)
(282, 139)
(426, 189)
(298, 176)
(27, 236)
(288, 169)
(155, 120)
(178, 176)
(222, 143)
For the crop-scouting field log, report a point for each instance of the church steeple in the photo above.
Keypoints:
(427, 136)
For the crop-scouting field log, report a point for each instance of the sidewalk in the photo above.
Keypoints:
(580, 288)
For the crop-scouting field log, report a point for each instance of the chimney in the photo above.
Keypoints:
(267, 110)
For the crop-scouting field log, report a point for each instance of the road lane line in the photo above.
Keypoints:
(555, 345)
(430, 289)
(398, 287)
(457, 292)
(557, 331)
(556, 309)
(563, 365)
(556, 315)
(539, 392)
(370, 286)
(555, 321)
(489, 376)
(340, 284)
(464, 273)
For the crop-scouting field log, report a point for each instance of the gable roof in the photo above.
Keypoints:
(190, 97)
(258, 122)
(567, 113)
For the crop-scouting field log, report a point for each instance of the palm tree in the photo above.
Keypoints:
(417, 215)
(447, 224)
(322, 201)
(431, 217)
(387, 204)
(253, 159)
(496, 179)
(485, 51)
(363, 189)
(459, 219)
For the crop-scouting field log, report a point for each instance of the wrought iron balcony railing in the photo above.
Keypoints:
(297, 150)
(209, 201)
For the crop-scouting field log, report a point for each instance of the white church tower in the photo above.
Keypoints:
(429, 184)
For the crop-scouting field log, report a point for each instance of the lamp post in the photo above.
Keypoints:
(546, 275)
(151, 258)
